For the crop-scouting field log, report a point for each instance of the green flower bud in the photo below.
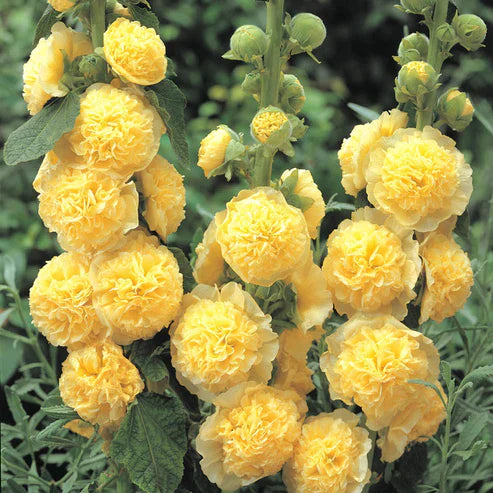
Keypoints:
(417, 6)
(307, 30)
(414, 80)
(471, 31)
(92, 66)
(446, 33)
(252, 84)
(455, 108)
(412, 48)
(271, 125)
(248, 42)
(291, 94)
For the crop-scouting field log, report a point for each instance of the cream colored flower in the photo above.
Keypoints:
(306, 187)
(251, 434)
(418, 421)
(292, 372)
(99, 382)
(313, 299)
(221, 338)
(369, 361)
(164, 194)
(138, 287)
(44, 69)
(212, 151)
(262, 238)
(354, 152)
(449, 277)
(330, 456)
(117, 131)
(209, 264)
(61, 303)
(135, 52)
(89, 211)
(372, 265)
(419, 177)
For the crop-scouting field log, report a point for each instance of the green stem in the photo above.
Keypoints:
(435, 59)
(98, 22)
(270, 85)
(445, 449)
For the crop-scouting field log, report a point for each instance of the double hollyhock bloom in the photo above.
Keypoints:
(116, 283)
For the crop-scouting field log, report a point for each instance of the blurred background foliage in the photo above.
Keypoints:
(357, 66)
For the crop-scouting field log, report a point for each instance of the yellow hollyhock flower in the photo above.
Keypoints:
(44, 70)
(221, 338)
(98, 382)
(251, 434)
(135, 52)
(418, 421)
(419, 177)
(209, 264)
(313, 299)
(306, 187)
(329, 456)
(372, 264)
(355, 150)
(369, 361)
(138, 287)
(89, 211)
(61, 5)
(262, 237)
(61, 306)
(292, 372)
(449, 277)
(212, 151)
(164, 194)
(117, 131)
(266, 122)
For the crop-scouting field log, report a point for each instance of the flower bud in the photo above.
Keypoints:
(455, 108)
(291, 94)
(415, 79)
(446, 33)
(413, 48)
(248, 42)
(471, 31)
(269, 120)
(252, 84)
(92, 66)
(307, 30)
(417, 6)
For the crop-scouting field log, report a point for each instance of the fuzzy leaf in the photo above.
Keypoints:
(473, 427)
(54, 407)
(185, 268)
(145, 355)
(43, 28)
(478, 374)
(38, 135)
(15, 406)
(170, 104)
(51, 429)
(152, 442)
(144, 16)
(9, 271)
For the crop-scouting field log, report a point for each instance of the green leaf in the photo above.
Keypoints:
(185, 268)
(170, 103)
(14, 487)
(43, 28)
(9, 271)
(54, 407)
(10, 356)
(15, 406)
(366, 114)
(144, 16)
(152, 442)
(462, 228)
(51, 429)
(478, 374)
(473, 427)
(145, 354)
(38, 135)
(476, 448)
